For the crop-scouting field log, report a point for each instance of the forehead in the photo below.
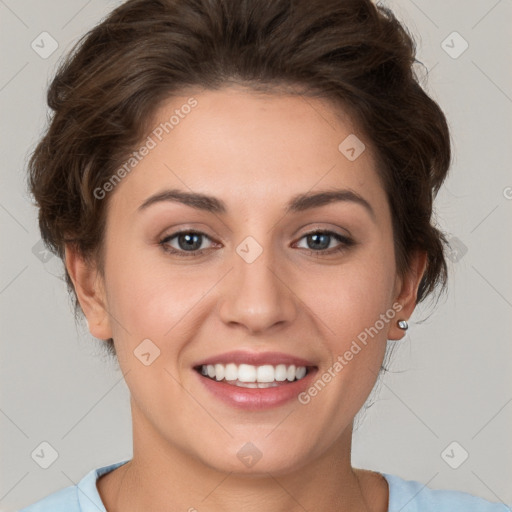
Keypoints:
(250, 149)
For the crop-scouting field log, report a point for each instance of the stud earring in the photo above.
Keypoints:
(403, 325)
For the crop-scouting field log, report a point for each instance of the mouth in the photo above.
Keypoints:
(252, 376)
(255, 380)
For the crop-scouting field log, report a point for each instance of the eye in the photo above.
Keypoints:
(188, 243)
(319, 242)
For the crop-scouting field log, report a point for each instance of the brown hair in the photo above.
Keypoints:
(352, 52)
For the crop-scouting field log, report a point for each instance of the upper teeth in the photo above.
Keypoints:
(250, 373)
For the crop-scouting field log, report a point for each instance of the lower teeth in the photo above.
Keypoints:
(252, 384)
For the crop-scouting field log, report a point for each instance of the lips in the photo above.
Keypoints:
(252, 380)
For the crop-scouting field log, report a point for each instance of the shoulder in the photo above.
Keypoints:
(82, 497)
(412, 496)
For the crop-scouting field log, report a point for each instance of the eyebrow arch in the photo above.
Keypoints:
(298, 203)
(303, 202)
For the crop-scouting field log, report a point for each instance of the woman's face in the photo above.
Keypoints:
(254, 285)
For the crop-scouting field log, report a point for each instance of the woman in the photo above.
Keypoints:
(242, 194)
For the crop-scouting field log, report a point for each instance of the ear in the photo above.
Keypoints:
(89, 288)
(406, 291)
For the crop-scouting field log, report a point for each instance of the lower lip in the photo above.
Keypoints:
(256, 398)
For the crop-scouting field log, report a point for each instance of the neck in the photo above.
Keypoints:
(164, 477)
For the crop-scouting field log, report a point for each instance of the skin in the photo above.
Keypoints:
(254, 152)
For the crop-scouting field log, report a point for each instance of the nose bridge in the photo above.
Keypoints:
(258, 296)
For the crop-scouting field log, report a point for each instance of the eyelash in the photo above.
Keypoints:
(345, 243)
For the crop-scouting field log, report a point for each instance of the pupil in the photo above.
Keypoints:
(317, 236)
(192, 241)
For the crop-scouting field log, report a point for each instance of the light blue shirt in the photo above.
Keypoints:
(404, 496)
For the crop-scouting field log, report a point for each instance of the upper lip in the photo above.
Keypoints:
(255, 359)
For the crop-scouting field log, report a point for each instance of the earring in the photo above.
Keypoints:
(403, 325)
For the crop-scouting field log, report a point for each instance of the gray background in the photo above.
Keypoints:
(451, 375)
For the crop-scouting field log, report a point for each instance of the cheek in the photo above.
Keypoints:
(352, 297)
(149, 300)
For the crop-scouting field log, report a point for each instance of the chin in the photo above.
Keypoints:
(248, 459)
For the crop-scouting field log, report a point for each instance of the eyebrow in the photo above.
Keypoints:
(298, 203)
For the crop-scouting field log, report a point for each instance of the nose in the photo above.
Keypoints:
(258, 295)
